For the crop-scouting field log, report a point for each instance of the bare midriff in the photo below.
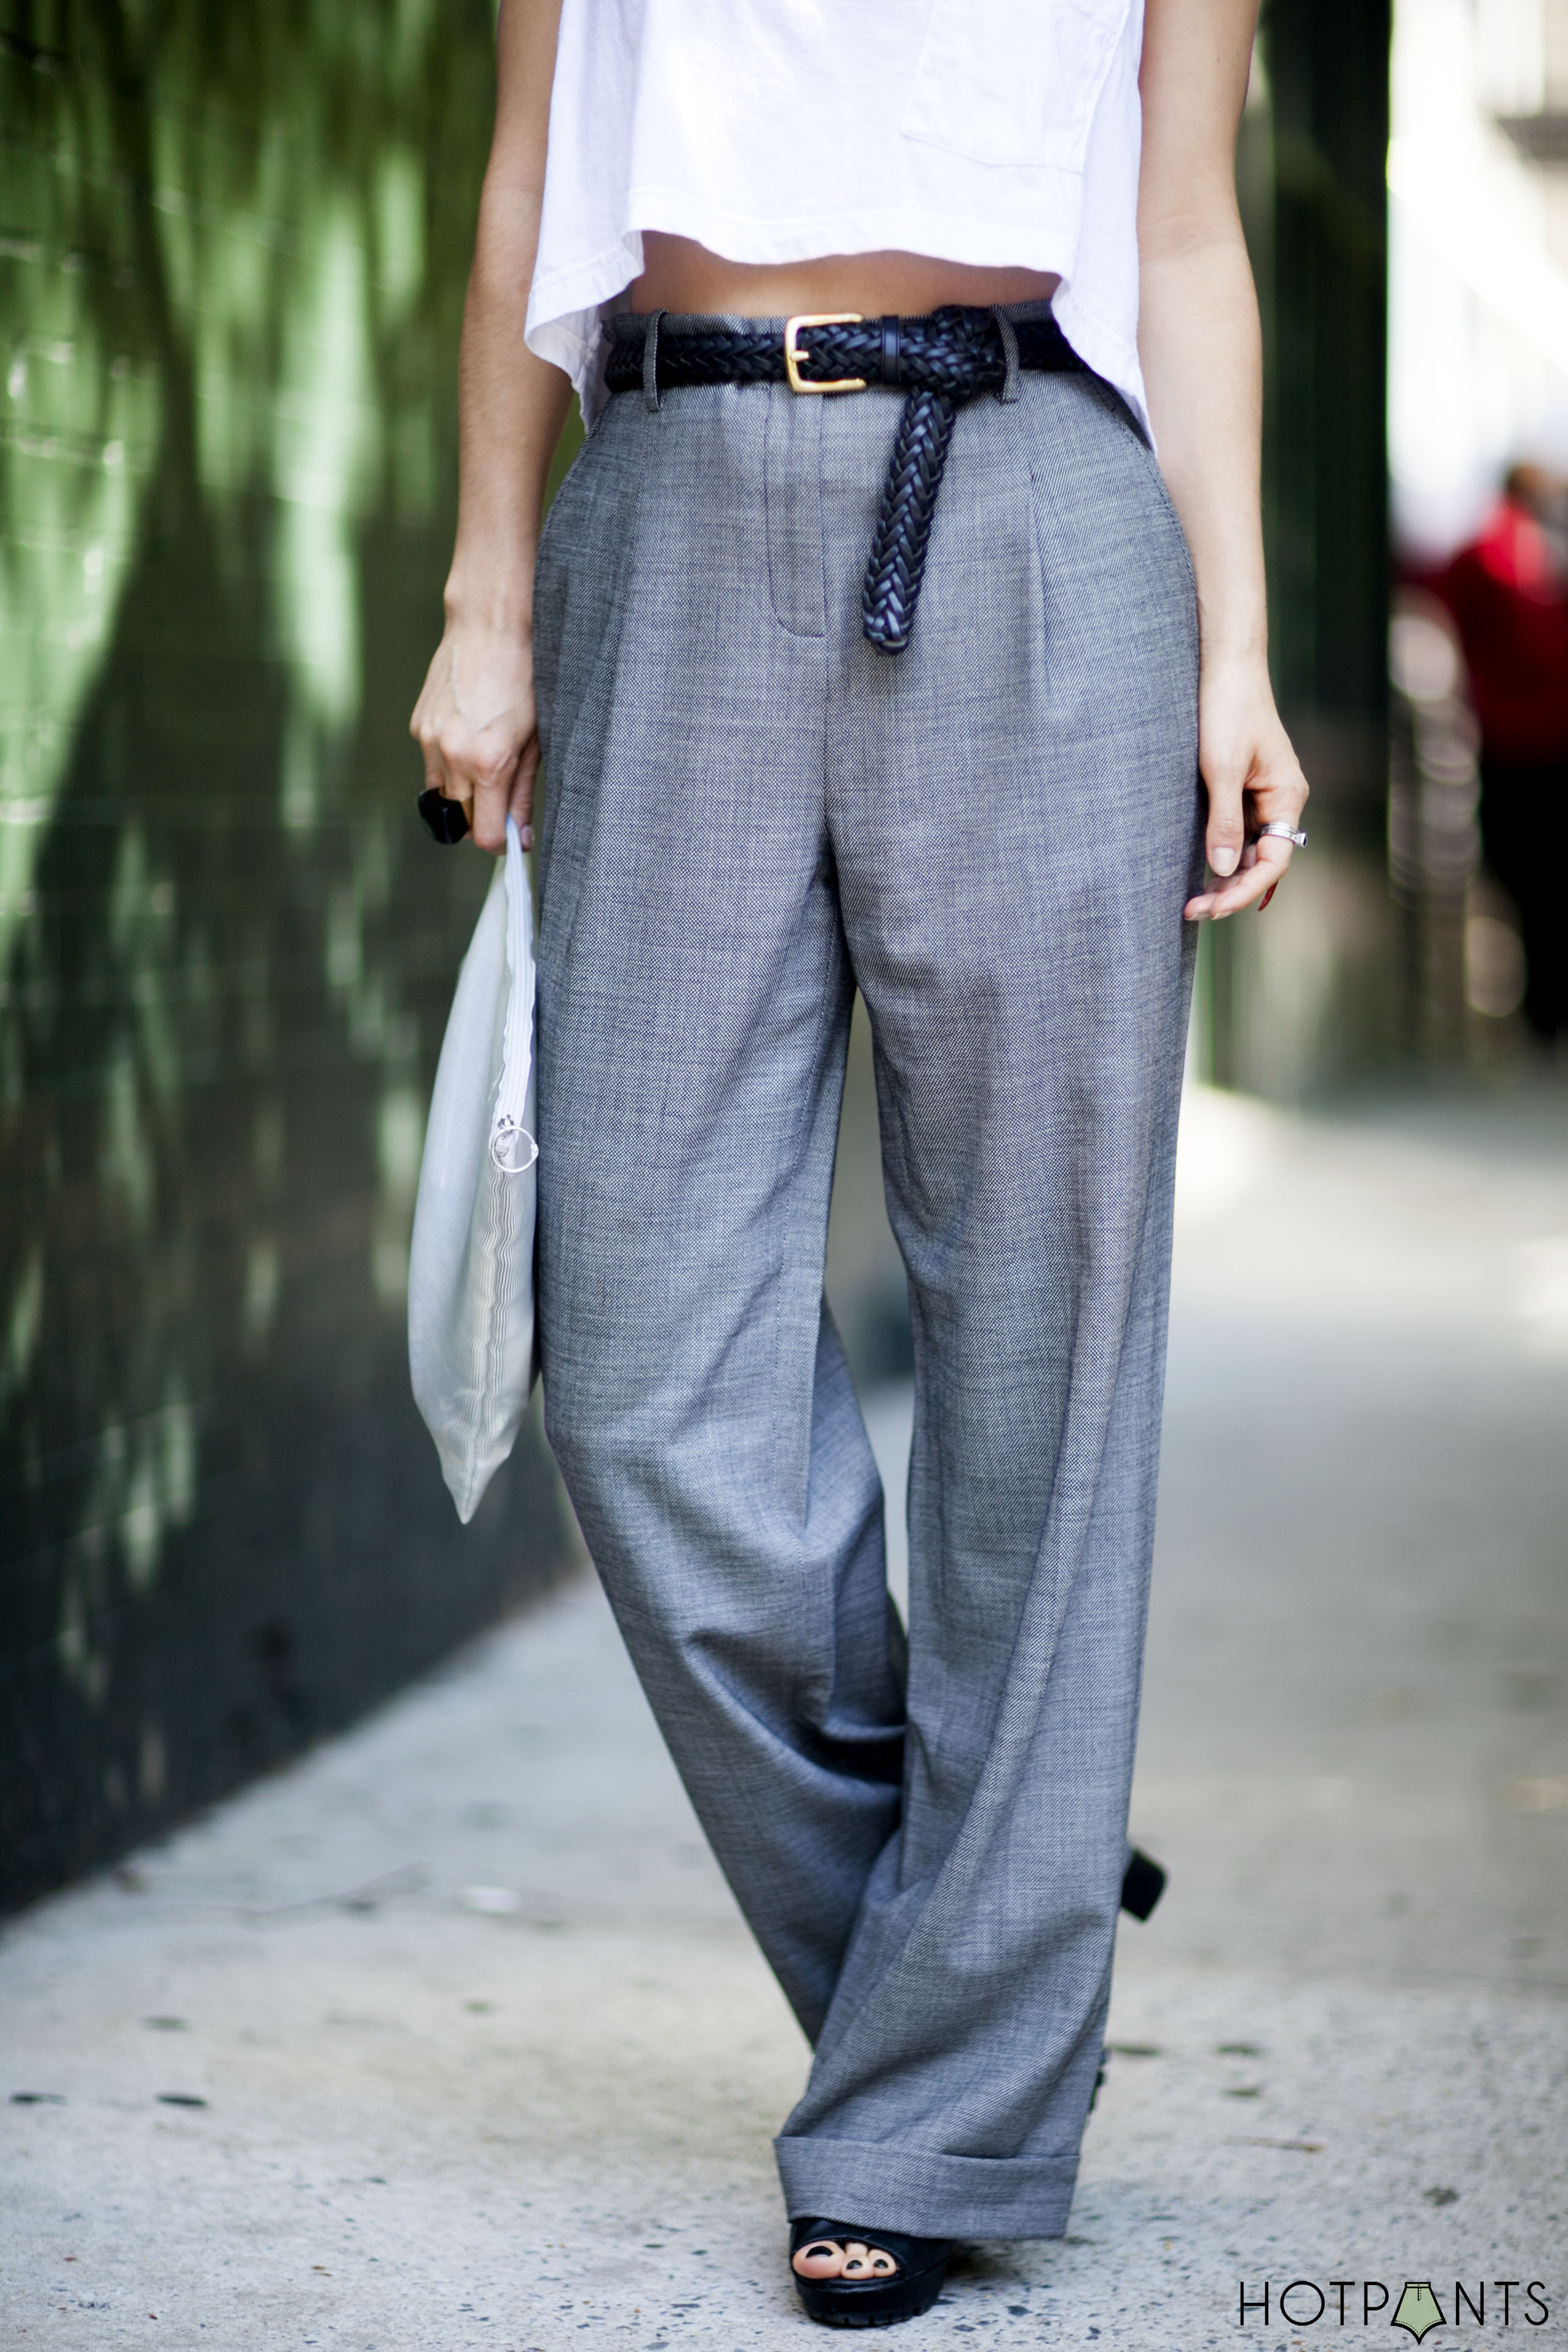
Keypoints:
(681, 276)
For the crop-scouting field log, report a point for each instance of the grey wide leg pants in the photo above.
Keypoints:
(748, 814)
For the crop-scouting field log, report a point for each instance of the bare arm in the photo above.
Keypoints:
(475, 720)
(1198, 339)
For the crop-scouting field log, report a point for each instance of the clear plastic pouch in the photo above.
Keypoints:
(470, 1269)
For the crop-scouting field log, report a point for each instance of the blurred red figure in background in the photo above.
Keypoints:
(1509, 594)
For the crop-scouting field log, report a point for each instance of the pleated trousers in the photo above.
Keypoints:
(749, 814)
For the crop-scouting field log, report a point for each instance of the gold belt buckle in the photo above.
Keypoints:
(794, 354)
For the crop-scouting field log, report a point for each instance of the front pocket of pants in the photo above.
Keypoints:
(1014, 83)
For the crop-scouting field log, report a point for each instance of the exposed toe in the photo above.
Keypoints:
(851, 2259)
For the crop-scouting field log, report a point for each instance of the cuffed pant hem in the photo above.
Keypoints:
(925, 2195)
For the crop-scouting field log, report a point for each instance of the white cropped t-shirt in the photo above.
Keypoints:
(1000, 133)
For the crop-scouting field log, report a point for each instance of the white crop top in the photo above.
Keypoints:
(1000, 133)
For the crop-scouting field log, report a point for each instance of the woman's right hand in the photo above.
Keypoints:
(475, 725)
(475, 721)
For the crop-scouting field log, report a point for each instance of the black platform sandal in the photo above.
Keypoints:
(876, 2298)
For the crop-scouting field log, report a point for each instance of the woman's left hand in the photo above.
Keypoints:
(1253, 778)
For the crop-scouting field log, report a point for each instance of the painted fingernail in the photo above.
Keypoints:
(1223, 860)
(527, 837)
(1267, 896)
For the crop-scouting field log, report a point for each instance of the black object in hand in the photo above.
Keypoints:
(446, 820)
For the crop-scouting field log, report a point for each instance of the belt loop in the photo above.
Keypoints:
(1009, 391)
(891, 371)
(650, 362)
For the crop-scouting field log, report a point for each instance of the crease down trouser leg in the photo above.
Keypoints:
(1017, 932)
(693, 1013)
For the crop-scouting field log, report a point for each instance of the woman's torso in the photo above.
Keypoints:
(768, 156)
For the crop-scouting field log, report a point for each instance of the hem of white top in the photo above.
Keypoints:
(560, 295)
(1103, 348)
(763, 240)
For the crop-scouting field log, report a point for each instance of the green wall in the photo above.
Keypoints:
(233, 244)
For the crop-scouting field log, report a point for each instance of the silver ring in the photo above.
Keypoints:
(1280, 831)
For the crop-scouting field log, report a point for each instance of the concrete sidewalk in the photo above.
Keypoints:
(451, 2037)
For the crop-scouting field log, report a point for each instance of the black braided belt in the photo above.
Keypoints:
(941, 360)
